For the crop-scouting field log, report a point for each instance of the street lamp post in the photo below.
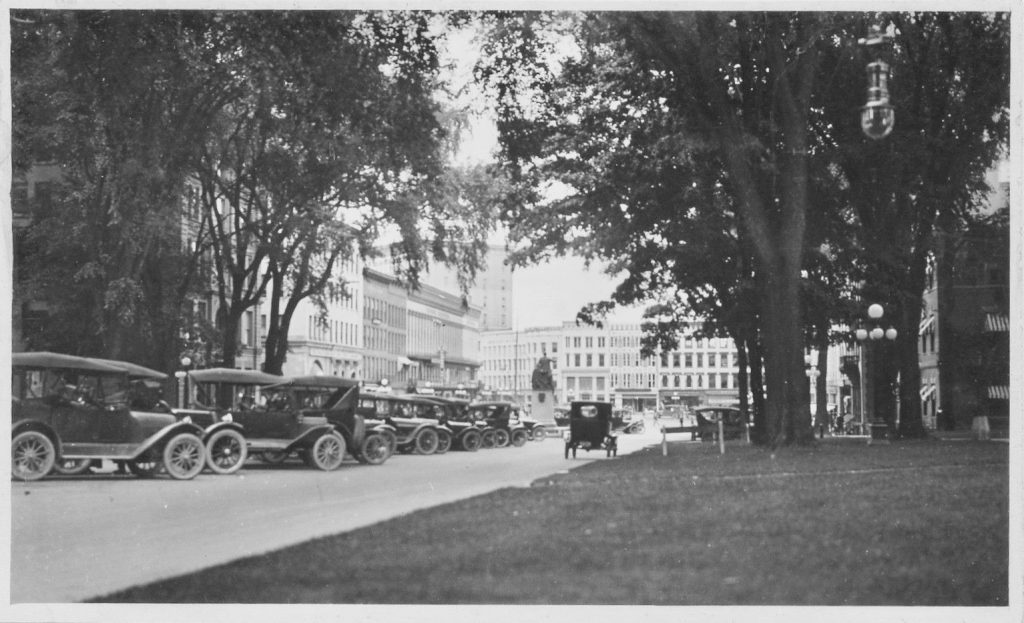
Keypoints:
(182, 376)
(812, 386)
(871, 336)
(876, 116)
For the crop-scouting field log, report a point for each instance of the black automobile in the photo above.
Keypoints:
(504, 418)
(453, 413)
(335, 399)
(590, 428)
(70, 409)
(272, 432)
(415, 433)
(733, 424)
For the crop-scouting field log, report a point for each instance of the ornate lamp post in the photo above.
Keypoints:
(813, 373)
(877, 116)
(871, 337)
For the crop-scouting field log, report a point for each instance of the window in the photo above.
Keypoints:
(675, 381)
(700, 360)
(675, 360)
(600, 342)
(590, 360)
(689, 380)
(600, 360)
(723, 379)
(590, 342)
(576, 359)
(576, 342)
(711, 360)
(712, 381)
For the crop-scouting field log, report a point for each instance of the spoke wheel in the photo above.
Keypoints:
(487, 439)
(274, 457)
(426, 441)
(444, 442)
(375, 450)
(328, 451)
(72, 467)
(226, 451)
(518, 438)
(145, 468)
(500, 438)
(184, 456)
(471, 441)
(32, 456)
(539, 433)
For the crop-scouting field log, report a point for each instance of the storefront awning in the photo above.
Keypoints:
(997, 323)
(999, 392)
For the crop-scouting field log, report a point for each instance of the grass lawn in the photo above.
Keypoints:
(839, 523)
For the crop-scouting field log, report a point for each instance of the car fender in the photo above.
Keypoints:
(308, 437)
(165, 434)
(385, 427)
(40, 427)
(219, 426)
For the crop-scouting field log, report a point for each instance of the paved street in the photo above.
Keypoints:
(77, 538)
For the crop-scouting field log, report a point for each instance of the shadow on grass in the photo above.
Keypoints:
(837, 523)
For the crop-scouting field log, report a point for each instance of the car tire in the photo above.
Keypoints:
(328, 451)
(487, 439)
(72, 467)
(471, 441)
(501, 438)
(425, 442)
(376, 449)
(518, 438)
(32, 456)
(444, 442)
(539, 433)
(184, 456)
(226, 451)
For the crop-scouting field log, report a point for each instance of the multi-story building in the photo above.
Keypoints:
(492, 290)
(508, 359)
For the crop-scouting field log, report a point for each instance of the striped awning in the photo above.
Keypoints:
(999, 392)
(927, 324)
(997, 323)
(927, 391)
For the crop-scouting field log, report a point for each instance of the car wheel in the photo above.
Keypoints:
(444, 442)
(426, 441)
(274, 457)
(226, 451)
(145, 468)
(487, 439)
(184, 456)
(500, 438)
(72, 467)
(375, 450)
(471, 441)
(518, 438)
(328, 451)
(32, 456)
(539, 433)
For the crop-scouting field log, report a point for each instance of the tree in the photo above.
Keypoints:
(735, 86)
(117, 101)
(950, 88)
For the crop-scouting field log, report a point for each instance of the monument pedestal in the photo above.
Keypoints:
(542, 406)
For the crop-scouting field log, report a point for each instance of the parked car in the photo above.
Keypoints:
(504, 418)
(627, 421)
(272, 432)
(336, 399)
(454, 414)
(67, 408)
(535, 430)
(415, 433)
(590, 428)
(733, 424)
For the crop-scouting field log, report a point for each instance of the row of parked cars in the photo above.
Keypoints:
(69, 412)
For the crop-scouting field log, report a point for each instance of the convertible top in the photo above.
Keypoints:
(46, 359)
(313, 381)
(231, 375)
(134, 370)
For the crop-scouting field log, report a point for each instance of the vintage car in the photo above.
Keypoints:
(415, 432)
(454, 414)
(504, 418)
(627, 421)
(733, 425)
(272, 432)
(67, 409)
(535, 430)
(336, 399)
(590, 428)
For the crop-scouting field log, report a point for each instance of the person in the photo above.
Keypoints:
(839, 423)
